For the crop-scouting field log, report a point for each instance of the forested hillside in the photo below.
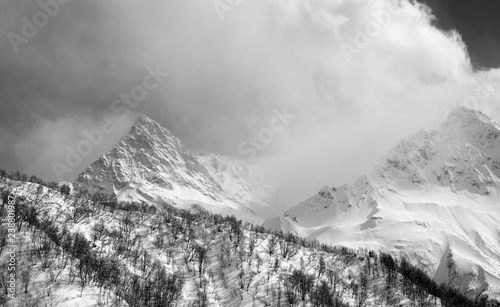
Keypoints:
(73, 248)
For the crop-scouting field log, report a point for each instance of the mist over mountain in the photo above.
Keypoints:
(150, 164)
(263, 153)
(433, 197)
(151, 224)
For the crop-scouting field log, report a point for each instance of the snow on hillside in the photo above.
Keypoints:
(79, 250)
(434, 195)
(152, 165)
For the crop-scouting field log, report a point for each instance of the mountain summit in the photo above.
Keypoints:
(150, 164)
(434, 198)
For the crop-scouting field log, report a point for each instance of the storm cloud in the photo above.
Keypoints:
(357, 76)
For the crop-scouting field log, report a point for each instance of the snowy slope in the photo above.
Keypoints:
(435, 196)
(236, 272)
(150, 164)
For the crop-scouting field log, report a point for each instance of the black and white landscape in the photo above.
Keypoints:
(249, 153)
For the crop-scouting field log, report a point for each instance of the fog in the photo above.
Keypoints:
(356, 76)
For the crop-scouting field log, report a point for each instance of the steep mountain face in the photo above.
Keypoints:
(150, 164)
(434, 198)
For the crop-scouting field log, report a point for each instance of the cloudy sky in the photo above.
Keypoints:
(356, 75)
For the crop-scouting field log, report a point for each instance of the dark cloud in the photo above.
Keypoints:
(228, 79)
(477, 22)
(75, 66)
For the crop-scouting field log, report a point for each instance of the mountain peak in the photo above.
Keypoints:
(433, 193)
(462, 117)
(143, 120)
(146, 127)
(150, 164)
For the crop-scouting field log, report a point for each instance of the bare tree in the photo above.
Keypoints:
(271, 245)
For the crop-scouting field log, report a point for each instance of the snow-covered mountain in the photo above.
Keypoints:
(434, 198)
(150, 164)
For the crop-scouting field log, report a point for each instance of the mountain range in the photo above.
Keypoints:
(434, 198)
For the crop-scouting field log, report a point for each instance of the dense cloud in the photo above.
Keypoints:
(355, 76)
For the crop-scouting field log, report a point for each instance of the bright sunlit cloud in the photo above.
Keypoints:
(357, 75)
